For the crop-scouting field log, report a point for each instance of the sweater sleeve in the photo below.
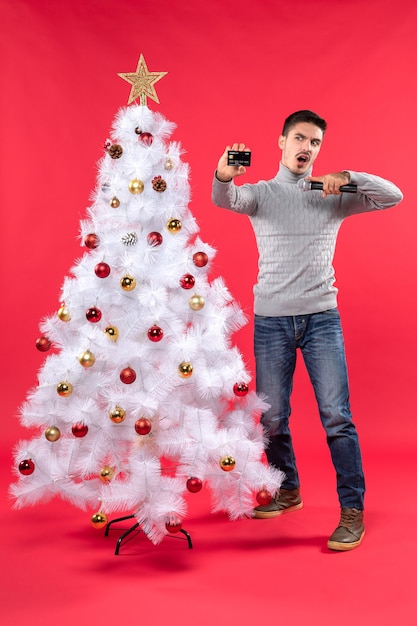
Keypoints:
(374, 193)
(229, 196)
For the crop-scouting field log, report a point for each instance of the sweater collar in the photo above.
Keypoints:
(284, 175)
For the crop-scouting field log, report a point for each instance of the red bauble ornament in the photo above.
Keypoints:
(102, 270)
(263, 497)
(187, 281)
(26, 467)
(240, 389)
(194, 484)
(143, 426)
(128, 375)
(43, 344)
(91, 241)
(155, 333)
(200, 259)
(93, 315)
(174, 525)
(146, 138)
(154, 239)
(79, 429)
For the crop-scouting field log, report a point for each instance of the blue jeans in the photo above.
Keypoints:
(319, 336)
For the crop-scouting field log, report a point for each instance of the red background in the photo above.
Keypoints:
(235, 71)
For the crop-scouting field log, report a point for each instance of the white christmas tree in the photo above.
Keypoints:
(143, 397)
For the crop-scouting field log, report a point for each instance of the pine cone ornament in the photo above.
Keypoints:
(130, 239)
(159, 184)
(115, 151)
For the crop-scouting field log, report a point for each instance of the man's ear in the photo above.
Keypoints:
(281, 142)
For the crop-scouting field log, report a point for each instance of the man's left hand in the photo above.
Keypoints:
(331, 182)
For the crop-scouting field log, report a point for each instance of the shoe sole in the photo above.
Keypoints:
(344, 547)
(271, 514)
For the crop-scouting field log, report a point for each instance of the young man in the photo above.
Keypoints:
(295, 306)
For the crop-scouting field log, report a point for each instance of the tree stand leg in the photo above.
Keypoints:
(134, 527)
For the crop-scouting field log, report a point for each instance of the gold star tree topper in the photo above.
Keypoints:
(142, 82)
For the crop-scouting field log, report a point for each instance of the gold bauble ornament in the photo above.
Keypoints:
(169, 164)
(64, 389)
(136, 186)
(128, 283)
(87, 359)
(99, 520)
(114, 202)
(52, 433)
(185, 369)
(63, 313)
(227, 463)
(174, 225)
(106, 474)
(117, 415)
(196, 302)
(111, 332)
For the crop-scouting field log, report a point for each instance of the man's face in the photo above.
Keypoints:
(300, 147)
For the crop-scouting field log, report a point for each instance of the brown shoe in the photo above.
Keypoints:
(349, 534)
(284, 501)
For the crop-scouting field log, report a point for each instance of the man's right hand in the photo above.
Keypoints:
(225, 172)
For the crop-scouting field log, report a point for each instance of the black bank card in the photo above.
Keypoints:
(236, 157)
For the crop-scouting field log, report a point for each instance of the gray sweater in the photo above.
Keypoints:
(296, 235)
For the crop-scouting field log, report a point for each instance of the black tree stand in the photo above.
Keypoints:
(124, 535)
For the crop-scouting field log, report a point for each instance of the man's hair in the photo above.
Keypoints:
(303, 116)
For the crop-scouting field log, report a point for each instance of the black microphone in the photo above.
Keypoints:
(310, 185)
